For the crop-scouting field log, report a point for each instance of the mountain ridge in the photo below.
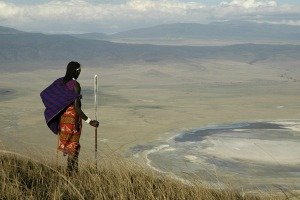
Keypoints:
(7, 30)
(216, 30)
(27, 51)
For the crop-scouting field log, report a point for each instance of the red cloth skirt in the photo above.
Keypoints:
(70, 126)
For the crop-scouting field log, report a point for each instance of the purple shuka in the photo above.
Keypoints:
(56, 98)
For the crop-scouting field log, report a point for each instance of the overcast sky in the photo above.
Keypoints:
(110, 16)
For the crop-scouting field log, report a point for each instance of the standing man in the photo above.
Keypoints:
(63, 113)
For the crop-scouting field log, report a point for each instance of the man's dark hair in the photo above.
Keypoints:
(71, 71)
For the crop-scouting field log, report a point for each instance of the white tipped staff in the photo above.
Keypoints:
(96, 106)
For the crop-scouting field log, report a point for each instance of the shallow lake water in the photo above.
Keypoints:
(246, 155)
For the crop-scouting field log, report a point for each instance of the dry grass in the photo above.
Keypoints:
(116, 178)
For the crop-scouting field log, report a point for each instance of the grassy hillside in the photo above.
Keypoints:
(22, 178)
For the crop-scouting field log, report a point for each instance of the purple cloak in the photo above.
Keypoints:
(56, 98)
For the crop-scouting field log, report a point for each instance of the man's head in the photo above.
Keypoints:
(73, 71)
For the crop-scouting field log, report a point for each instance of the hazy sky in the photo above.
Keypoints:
(209, 2)
(108, 16)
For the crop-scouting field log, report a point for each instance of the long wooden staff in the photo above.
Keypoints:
(96, 106)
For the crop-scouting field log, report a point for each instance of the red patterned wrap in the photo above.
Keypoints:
(70, 126)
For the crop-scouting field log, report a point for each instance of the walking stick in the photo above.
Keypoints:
(96, 105)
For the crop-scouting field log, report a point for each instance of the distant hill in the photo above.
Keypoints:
(34, 50)
(27, 51)
(93, 36)
(6, 30)
(233, 30)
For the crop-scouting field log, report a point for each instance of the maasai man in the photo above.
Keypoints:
(63, 113)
